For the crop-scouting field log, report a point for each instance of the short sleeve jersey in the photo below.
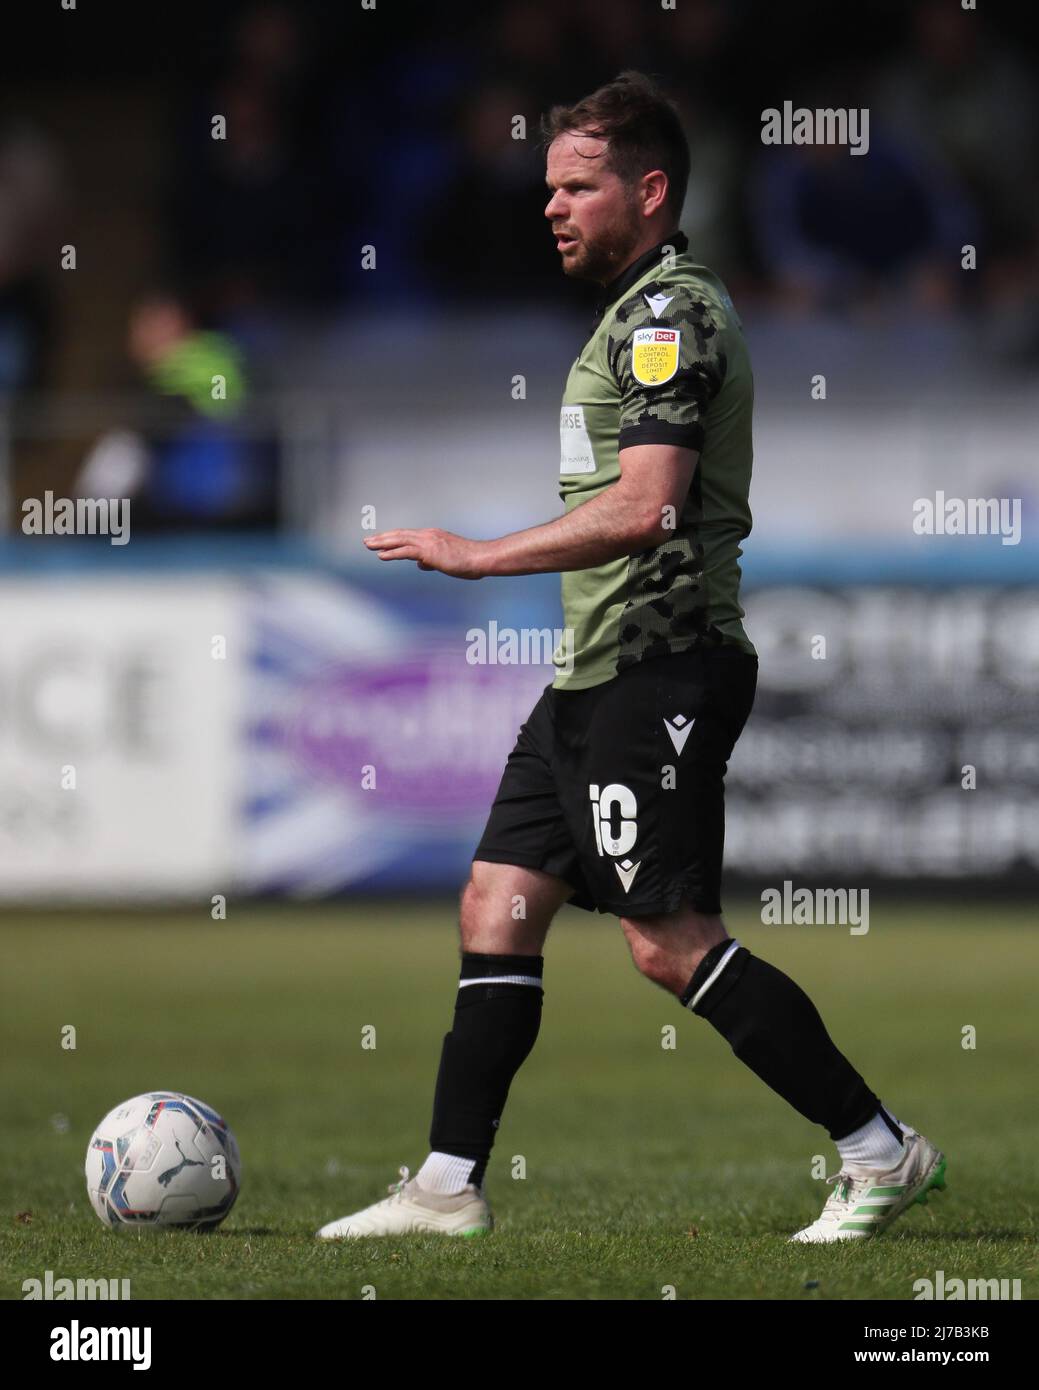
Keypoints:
(665, 364)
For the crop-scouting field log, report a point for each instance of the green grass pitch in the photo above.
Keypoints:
(645, 1167)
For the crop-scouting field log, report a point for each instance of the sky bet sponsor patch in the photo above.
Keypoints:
(654, 354)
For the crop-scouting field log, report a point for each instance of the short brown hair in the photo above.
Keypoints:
(642, 126)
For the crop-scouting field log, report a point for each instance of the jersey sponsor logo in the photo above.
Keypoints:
(575, 447)
(654, 355)
(657, 303)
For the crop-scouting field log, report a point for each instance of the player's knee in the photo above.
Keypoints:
(471, 911)
(482, 899)
(496, 916)
(668, 949)
(652, 959)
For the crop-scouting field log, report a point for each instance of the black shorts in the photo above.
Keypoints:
(619, 789)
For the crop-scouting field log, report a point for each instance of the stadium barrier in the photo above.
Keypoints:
(185, 719)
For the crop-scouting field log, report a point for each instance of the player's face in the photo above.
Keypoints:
(594, 216)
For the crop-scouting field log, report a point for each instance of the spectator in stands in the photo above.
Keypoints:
(29, 197)
(836, 230)
(193, 467)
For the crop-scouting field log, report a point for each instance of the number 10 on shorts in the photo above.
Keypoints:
(614, 806)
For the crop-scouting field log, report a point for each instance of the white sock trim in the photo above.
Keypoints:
(873, 1145)
(502, 980)
(445, 1174)
(713, 976)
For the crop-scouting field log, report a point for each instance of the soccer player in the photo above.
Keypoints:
(612, 798)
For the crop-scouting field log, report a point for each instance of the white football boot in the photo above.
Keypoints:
(865, 1201)
(411, 1208)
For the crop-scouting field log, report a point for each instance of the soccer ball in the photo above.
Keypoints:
(163, 1159)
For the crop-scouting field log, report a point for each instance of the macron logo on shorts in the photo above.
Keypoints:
(679, 730)
(626, 872)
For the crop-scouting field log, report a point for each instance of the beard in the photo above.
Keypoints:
(602, 256)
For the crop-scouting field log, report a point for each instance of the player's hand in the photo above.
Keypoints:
(433, 550)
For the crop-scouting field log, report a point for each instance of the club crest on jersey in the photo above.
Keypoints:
(654, 354)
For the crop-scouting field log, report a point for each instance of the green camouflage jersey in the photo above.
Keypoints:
(665, 364)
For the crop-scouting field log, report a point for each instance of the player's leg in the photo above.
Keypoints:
(505, 917)
(668, 948)
(774, 1028)
(767, 1019)
(524, 868)
(506, 911)
(656, 762)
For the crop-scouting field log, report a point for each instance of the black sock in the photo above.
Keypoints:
(495, 1027)
(773, 1026)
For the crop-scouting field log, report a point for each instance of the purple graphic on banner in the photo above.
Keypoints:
(373, 746)
(433, 730)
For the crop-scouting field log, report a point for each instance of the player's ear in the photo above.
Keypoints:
(654, 190)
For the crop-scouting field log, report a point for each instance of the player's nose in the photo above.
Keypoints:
(554, 206)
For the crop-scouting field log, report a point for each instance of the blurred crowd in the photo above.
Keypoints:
(402, 139)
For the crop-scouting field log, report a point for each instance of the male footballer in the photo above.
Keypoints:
(612, 798)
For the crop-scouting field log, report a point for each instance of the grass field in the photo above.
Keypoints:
(645, 1167)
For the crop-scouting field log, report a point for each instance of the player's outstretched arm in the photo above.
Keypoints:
(633, 514)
